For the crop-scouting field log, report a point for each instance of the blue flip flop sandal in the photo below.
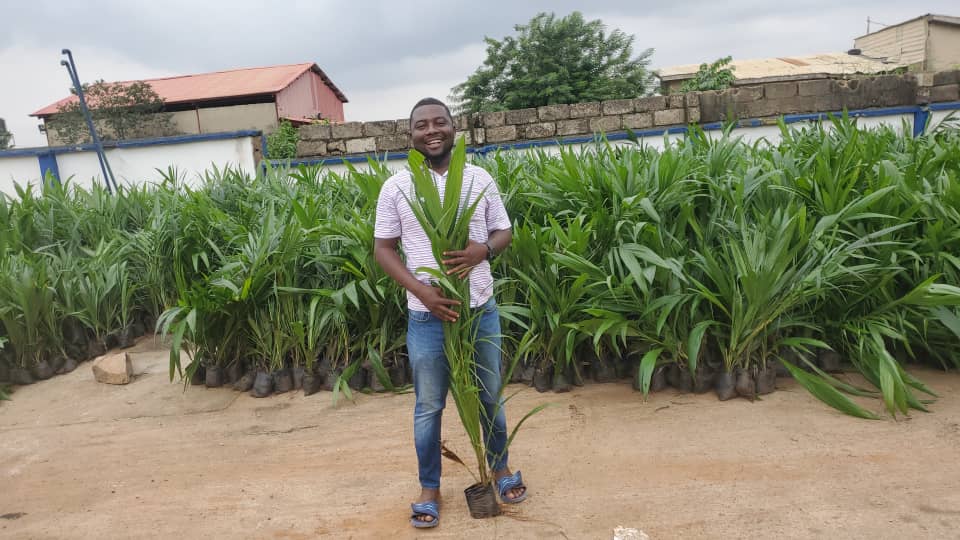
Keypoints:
(507, 483)
(429, 508)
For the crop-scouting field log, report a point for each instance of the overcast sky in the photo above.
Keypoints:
(384, 55)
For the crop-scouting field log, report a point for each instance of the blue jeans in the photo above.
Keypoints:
(431, 382)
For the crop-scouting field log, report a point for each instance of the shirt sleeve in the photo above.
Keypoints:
(497, 218)
(387, 223)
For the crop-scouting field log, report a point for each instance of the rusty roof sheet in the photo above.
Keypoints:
(221, 85)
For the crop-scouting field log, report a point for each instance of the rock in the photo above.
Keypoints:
(113, 369)
(629, 533)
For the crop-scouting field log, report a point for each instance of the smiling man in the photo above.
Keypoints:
(432, 133)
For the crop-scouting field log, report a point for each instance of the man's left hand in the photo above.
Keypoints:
(462, 261)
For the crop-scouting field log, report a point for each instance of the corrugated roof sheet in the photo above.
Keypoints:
(762, 68)
(221, 85)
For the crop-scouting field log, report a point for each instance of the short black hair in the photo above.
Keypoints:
(430, 101)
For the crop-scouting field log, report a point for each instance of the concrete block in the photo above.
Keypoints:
(393, 143)
(617, 106)
(817, 87)
(668, 117)
(605, 124)
(552, 113)
(585, 110)
(522, 116)
(347, 130)
(638, 121)
(652, 103)
(312, 132)
(493, 119)
(577, 126)
(501, 134)
(384, 127)
(946, 92)
(311, 148)
(361, 146)
(780, 90)
(541, 130)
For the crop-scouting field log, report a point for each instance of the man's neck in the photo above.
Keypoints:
(440, 166)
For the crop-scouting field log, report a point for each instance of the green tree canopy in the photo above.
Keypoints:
(6, 139)
(551, 61)
(120, 111)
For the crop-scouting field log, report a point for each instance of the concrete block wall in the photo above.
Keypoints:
(555, 122)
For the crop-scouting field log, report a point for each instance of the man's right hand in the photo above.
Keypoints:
(432, 297)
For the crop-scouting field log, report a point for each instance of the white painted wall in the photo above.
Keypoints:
(137, 165)
(22, 170)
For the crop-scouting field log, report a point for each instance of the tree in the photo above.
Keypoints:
(6, 139)
(715, 76)
(120, 111)
(551, 61)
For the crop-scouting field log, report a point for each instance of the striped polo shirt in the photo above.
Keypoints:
(395, 219)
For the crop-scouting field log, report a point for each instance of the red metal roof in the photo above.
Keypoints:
(221, 84)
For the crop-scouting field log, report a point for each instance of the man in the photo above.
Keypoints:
(432, 133)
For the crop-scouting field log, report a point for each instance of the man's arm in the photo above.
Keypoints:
(462, 261)
(385, 253)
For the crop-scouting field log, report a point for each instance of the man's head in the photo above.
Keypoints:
(432, 130)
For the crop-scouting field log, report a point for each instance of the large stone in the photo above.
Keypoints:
(638, 121)
(652, 103)
(403, 126)
(617, 106)
(461, 122)
(668, 117)
(522, 116)
(383, 127)
(493, 119)
(552, 113)
(311, 148)
(577, 126)
(113, 369)
(348, 130)
(501, 134)
(819, 87)
(606, 124)
(946, 92)
(692, 99)
(585, 110)
(539, 131)
(675, 101)
(361, 146)
(312, 132)
(693, 115)
(392, 143)
(780, 90)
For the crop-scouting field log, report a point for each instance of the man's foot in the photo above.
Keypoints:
(517, 490)
(427, 495)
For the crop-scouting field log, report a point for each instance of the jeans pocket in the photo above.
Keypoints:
(419, 316)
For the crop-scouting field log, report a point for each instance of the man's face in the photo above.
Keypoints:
(432, 132)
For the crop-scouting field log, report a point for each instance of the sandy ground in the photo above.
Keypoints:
(80, 459)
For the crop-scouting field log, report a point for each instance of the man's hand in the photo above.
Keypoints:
(439, 305)
(465, 259)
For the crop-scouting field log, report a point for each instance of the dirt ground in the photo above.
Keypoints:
(80, 459)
